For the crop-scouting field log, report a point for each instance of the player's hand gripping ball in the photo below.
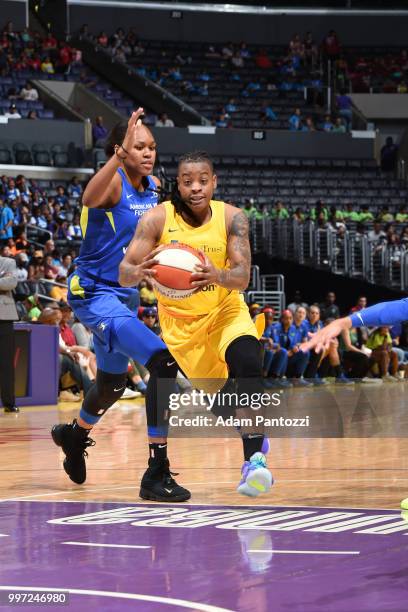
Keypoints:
(176, 264)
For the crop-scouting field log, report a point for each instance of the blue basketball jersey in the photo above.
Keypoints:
(107, 232)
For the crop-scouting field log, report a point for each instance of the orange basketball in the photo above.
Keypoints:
(173, 272)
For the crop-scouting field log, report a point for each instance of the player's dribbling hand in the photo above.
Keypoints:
(133, 123)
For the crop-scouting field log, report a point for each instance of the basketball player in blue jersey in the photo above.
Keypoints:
(113, 203)
(384, 313)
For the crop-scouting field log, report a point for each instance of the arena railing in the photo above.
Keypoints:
(349, 253)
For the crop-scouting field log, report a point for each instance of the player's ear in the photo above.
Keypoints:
(214, 178)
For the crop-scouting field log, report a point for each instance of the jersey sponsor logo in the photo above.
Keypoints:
(173, 230)
(208, 288)
(206, 248)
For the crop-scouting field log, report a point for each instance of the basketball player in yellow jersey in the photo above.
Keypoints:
(210, 334)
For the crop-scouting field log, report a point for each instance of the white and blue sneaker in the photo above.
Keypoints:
(255, 476)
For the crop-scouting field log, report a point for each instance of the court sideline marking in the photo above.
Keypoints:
(106, 545)
(306, 552)
(183, 603)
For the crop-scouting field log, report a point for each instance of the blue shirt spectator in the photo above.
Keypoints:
(99, 131)
(294, 120)
(6, 222)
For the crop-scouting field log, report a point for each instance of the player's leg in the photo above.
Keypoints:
(73, 437)
(244, 359)
(132, 338)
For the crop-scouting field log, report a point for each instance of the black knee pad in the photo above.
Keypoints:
(244, 357)
(108, 388)
(163, 371)
(162, 365)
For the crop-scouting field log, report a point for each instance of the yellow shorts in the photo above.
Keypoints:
(199, 344)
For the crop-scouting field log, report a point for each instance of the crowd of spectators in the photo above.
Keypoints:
(30, 51)
(358, 355)
(298, 66)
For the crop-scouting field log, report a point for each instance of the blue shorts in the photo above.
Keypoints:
(118, 333)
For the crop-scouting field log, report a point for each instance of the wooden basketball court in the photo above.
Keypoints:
(333, 511)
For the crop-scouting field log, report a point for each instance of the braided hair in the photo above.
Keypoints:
(195, 157)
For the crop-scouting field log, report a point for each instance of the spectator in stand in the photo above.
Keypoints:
(275, 357)
(377, 234)
(33, 307)
(389, 155)
(249, 208)
(22, 244)
(99, 131)
(65, 266)
(47, 66)
(299, 215)
(6, 222)
(297, 301)
(295, 120)
(32, 115)
(268, 114)
(149, 318)
(228, 51)
(49, 42)
(279, 211)
(237, 60)
(262, 60)
(74, 188)
(102, 39)
(57, 292)
(50, 270)
(310, 50)
(312, 324)
(356, 362)
(147, 296)
(12, 112)
(339, 127)
(331, 45)
(287, 337)
(29, 93)
(222, 121)
(308, 126)
(329, 308)
(328, 124)
(345, 106)
(75, 229)
(404, 237)
(164, 121)
(383, 357)
(361, 304)
(231, 107)
(36, 268)
(385, 215)
(61, 197)
(402, 214)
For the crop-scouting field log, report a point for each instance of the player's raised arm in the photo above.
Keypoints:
(103, 190)
(139, 257)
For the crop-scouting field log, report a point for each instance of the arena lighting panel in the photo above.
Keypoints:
(238, 8)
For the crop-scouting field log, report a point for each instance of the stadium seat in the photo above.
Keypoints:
(24, 158)
(61, 160)
(42, 158)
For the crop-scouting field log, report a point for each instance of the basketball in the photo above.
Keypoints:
(174, 270)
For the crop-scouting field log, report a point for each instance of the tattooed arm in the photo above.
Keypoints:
(139, 257)
(239, 255)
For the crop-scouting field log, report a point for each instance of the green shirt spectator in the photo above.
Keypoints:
(249, 209)
(378, 337)
(279, 211)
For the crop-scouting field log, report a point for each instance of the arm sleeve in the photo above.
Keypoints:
(385, 313)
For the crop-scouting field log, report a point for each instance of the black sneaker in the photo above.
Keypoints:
(158, 485)
(73, 442)
(14, 409)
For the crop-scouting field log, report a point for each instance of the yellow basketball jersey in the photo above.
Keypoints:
(210, 238)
